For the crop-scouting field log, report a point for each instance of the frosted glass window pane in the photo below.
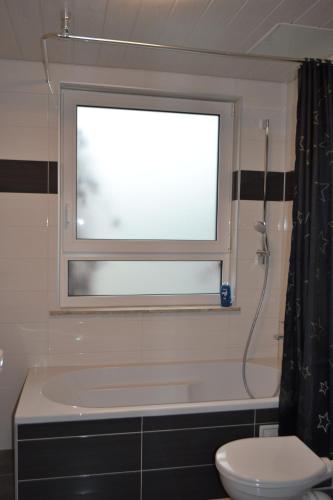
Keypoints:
(146, 174)
(143, 277)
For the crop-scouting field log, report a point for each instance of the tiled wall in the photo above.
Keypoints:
(28, 243)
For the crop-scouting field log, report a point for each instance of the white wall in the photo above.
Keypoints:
(28, 249)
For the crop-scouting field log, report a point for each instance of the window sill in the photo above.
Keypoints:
(109, 310)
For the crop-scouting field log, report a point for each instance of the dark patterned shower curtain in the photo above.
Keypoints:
(306, 395)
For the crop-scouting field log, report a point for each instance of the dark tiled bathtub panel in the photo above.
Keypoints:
(193, 483)
(188, 447)
(128, 459)
(79, 456)
(267, 416)
(124, 486)
(191, 420)
(81, 428)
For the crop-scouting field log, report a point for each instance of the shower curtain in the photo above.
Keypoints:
(306, 394)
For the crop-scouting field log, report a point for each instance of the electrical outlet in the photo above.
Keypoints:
(271, 430)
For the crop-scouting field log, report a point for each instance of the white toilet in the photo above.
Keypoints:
(279, 468)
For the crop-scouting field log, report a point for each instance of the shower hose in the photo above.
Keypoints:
(266, 255)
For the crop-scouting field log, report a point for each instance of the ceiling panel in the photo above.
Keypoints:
(151, 20)
(89, 20)
(328, 24)
(287, 11)
(9, 48)
(246, 21)
(153, 60)
(26, 22)
(119, 22)
(214, 21)
(318, 14)
(182, 20)
(148, 24)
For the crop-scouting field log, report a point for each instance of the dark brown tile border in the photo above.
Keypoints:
(280, 185)
(27, 176)
(289, 186)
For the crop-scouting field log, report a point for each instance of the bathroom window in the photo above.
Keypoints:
(145, 198)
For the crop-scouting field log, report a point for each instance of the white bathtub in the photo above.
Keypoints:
(73, 393)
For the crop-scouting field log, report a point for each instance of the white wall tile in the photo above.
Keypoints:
(249, 241)
(94, 334)
(24, 339)
(23, 210)
(23, 306)
(173, 356)
(23, 274)
(52, 217)
(253, 154)
(253, 120)
(188, 332)
(24, 143)
(14, 372)
(250, 212)
(275, 216)
(23, 109)
(52, 275)
(23, 243)
(52, 235)
(94, 359)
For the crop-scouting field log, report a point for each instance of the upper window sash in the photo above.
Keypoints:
(70, 99)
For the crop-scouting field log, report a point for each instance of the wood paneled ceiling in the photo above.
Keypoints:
(232, 25)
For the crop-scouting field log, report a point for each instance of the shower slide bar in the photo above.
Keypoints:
(65, 35)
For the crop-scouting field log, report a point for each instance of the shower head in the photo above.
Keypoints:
(260, 226)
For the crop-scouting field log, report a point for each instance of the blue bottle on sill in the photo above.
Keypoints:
(225, 295)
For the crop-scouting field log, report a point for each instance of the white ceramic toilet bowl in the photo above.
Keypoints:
(279, 468)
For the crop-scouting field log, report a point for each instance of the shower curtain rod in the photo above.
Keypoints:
(67, 36)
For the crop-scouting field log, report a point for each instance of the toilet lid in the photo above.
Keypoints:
(269, 462)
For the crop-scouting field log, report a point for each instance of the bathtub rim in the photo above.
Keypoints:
(32, 398)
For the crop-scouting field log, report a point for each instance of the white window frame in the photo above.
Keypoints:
(71, 248)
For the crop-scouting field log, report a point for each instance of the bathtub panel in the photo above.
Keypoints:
(116, 486)
(76, 456)
(66, 452)
(217, 419)
(193, 483)
(81, 428)
(267, 415)
(188, 447)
